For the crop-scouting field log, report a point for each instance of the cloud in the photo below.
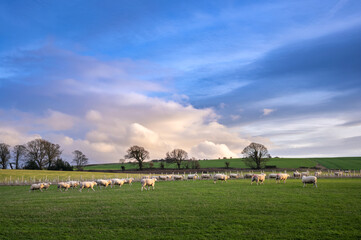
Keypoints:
(267, 111)
(211, 150)
(57, 121)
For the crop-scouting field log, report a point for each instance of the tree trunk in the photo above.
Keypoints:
(178, 165)
(140, 165)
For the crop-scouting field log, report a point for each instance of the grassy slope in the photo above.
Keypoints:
(186, 210)
(331, 163)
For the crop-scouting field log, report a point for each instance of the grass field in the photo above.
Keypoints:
(352, 163)
(186, 210)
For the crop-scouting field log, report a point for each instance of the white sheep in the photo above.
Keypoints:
(64, 185)
(221, 177)
(318, 173)
(192, 176)
(258, 178)
(272, 175)
(163, 177)
(338, 174)
(248, 175)
(296, 174)
(36, 186)
(73, 184)
(305, 174)
(147, 182)
(178, 177)
(234, 175)
(104, 183)
(282, 177)
(309, 180)
(128, 181)
(88, 185)
(117, 181)
(206, 176)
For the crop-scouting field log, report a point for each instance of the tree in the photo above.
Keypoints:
(42, 152)
(177, 156)
(255, 155)
(137, 153)
(4, 155)
(52, 152)
(79, 159)
(19, 152)
(61, 165)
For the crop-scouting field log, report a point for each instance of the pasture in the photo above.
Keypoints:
(346, 163)
(186, 210)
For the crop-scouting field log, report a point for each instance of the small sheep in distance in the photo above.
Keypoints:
(296, 174)
(128, 181)
(87, 185)
(309, 180)
(104, 183)
(46, 185)
(206, 176)
(272, 175)
(318, 173)
(147, 182)
(282, 176)
(73, 184)
(305, 174)
(258, 178)
(178, 177)
(192, 176)
(37, 186)
(338, 174)
(64, 185)
(221, 177)
(117, 181)
(234, 175)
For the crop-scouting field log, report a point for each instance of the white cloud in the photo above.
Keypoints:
(267, 111)
(211, 150)
(58, 121)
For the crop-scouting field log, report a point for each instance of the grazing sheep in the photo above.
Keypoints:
(46, 185)
(318, 173)
(155, 177)
(248, 175)
(163, 177)
(117, 181)
(305, 174)
(128, 181)
(192, 176)
(296, 174)
(234, 175)
(178, 177)
(282, 176)
(258, 178)
(147, 182)
(104, 183)
(73, 184)
(309, 180)
(272, 175)
(221, 177)
(64, 185)
(88, 185)
(206, 176)
(37, 186)
(338, 174)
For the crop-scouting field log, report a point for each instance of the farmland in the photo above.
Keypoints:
(186, 210)
(353, 163)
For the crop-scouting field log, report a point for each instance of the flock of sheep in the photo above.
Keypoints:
(147, 182)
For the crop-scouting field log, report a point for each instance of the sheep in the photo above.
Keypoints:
(63, 185)
(282, 176)
(103, 183)
(309, 180)
(148, 182)
(163, 177)
(206, 176)
(258, 178)
(87, 185)
(128, 181)
(305, 174)
(177, 177)
(221, 177)
(37, 186)
(46, 185)
(296, 174)
(234, 175)
(272, 175)
(117, 181)
(248, 175)
(338, 174)
(318, 173)
(155, 177)
(192, 176)
(73, 184)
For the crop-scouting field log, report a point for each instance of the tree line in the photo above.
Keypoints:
(38, 154)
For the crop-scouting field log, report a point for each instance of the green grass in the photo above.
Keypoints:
(186, 210)
(353, 163)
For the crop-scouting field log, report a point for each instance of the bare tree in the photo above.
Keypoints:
(52, 152)
(36, 153)
(79, 159)
(137, 153)
(255, 155)
(19, 152)
(4, 155)
(177, 156)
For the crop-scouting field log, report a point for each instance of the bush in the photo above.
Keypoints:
(162, 165)
(122, 167)
(227, 164)
(61, 165)
(151, 165)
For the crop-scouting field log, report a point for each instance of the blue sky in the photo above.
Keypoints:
(206, 76)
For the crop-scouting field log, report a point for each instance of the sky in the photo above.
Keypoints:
(209, 77)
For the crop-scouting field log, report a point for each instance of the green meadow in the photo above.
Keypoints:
(186, 210)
